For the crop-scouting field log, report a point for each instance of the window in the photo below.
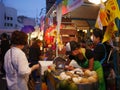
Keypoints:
(8, 24)
(8, 18)
(5, 24)
(11, 18)
(11, 24)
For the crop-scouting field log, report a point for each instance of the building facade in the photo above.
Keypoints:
(10, 21)
(8, 17)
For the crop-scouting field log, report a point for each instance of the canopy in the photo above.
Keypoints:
(28, 29)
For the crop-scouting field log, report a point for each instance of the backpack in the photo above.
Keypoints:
(108, 58)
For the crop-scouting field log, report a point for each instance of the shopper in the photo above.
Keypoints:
(84, 58)
(5, 45)
(99, 48)
(16, 64)
(35, 55)
(102, 52)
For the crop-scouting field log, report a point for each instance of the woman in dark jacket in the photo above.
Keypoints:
(35, 54)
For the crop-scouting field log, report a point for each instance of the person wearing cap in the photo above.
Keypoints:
(84, 57)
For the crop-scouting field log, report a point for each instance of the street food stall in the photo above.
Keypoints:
(92, 13)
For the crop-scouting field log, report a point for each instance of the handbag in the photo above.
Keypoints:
(31, 83)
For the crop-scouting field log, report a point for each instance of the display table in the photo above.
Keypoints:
(44, 65)
(53, 82)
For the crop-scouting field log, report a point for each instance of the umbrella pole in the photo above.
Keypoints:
(29, 38)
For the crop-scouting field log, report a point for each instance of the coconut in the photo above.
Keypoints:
(91, 79)
(75, 80)
(84, 80)
(87, 73)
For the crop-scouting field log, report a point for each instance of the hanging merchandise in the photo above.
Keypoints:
(48, 37)
(42, 19)
(69, 5)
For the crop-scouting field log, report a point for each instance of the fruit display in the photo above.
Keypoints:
(62, 77)
(78, 76)
(75, 79)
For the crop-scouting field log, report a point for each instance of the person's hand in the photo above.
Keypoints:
(69, 67)
(37, 66)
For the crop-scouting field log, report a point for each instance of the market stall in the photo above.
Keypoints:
(92, 11)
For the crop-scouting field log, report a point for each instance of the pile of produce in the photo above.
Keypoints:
(71, 79)
(76, 75)
(79, 76)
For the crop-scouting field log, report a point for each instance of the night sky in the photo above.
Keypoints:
(29, 8)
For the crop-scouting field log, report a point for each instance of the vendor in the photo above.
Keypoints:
(84, 58)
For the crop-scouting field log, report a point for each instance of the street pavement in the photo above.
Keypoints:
(3, 84)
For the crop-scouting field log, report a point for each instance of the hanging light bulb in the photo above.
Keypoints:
(97, 1)
(104, 0)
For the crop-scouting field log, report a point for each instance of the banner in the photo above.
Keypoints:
(69, 5)
(113, 13)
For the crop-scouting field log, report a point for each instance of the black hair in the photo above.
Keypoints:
(4, 35)
(19, 38)
(74, 45)
(98, 33)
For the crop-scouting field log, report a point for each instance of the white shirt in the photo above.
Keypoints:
(17, 69)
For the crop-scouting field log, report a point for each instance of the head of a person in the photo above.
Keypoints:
(19, 38)
(72, 48)
(37, 43)
(4, 36)
(97, 36)
(83, 43)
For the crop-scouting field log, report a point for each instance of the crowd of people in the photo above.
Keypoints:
(95, 56)
(19, 60)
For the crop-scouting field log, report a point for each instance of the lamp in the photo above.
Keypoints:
(97, 1)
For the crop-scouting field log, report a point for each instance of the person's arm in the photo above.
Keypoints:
(89, 56)
(68, 67)
(68, 59)
(91, 64)
(34, 67)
